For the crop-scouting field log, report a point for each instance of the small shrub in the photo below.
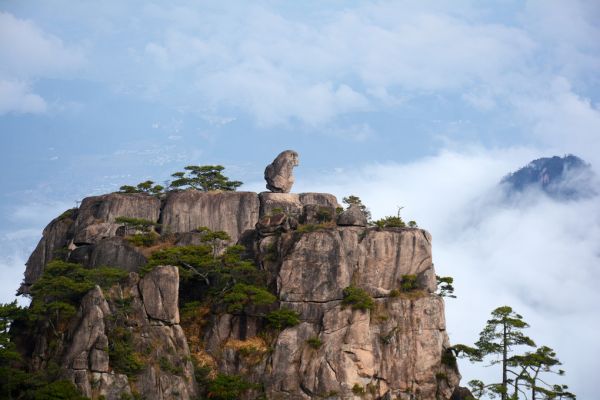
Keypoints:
(390, 222)
(123, 357)
(315, 343)
(143, 225)
(242, 295)
(306, 228)
(371, 388)
(143, 239)
(324, 215)
(408, 283)
(358, 298)
(67, 214)
(440, 376)
(412, 224)
(284, 318)
(394, 293)
(59, 390)
(144, 187)
(358, 390)
(445, 286)
(228, 387)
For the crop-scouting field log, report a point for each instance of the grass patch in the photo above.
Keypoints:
(315, 342)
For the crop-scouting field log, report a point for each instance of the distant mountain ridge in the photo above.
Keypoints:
(562, 178)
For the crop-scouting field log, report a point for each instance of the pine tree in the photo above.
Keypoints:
(501, 333)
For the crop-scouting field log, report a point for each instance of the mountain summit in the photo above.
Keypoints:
(562, 178)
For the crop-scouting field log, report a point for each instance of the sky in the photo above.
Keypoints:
(423, 105)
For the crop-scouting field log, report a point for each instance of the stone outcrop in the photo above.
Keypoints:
(232, 212)
(352, 216)
(309, 251)
(143, 314)
(393, 350)
(97, 214)
(278, 174)
(55, 240)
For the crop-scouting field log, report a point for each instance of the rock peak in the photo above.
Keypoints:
(278, 174)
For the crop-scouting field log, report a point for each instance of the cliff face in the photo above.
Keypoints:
(394, 350)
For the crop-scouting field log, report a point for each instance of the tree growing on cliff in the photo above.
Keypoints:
(352, 199)
(205, 178)
(143, 187)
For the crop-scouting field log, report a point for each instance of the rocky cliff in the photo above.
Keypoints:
(128, 339)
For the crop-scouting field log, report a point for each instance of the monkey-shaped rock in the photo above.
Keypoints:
(278, 174)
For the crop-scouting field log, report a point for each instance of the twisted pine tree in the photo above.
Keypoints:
(205, 178)
(501, 333)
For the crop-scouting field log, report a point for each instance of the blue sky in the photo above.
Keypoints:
(420, 104)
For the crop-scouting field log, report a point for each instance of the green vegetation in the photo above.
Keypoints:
(205, 178)
(123, 357)
(358, 298)
(143, 239)
(315, 342)
(143, 231)
(215, 275)
(358, 390)
(408, 283)
(390, 222)
(67, 214)
(62, 285)
(283, 318)
(324, 215)
(242, 295)
(15, 383)
(168, 366)
(306, 228)
(137, 224)
(521, 374)
(57, 390)
(445, 287)
(144, 187)
(228, 387)
(412, 224)
(350, 200)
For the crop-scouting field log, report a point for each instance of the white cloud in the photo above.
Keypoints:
(279, 69)
(537, 255)
(17, 97)
(28, 53)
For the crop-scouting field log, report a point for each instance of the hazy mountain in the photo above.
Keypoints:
(562, 178)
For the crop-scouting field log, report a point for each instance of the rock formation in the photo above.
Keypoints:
(310, 252)
(278, 174)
